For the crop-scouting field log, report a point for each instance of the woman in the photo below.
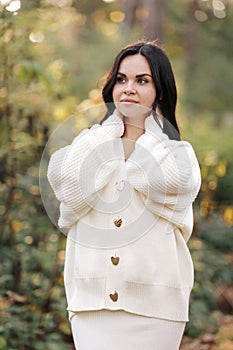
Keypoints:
(126, 188)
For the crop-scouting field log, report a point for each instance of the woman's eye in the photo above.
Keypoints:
(121, 80)
(142, 81)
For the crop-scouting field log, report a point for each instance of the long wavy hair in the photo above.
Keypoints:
(163, 77)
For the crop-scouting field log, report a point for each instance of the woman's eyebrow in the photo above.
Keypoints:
(137, 76)
(143, 75)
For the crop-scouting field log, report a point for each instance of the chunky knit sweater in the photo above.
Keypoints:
(128, 220)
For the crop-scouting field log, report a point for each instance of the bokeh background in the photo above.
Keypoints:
(53, 55)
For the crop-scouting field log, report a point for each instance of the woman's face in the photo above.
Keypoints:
(134, 92)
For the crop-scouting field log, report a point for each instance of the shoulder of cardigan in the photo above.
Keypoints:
(115, 124)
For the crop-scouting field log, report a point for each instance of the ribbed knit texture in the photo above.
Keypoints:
(172, 172)
(73, 171)
(155, 274)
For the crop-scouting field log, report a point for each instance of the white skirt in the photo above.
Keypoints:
(120, 330)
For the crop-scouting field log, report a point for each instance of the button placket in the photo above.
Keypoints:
(113, 284)
(119, 185)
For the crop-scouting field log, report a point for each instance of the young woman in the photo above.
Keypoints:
(126, 188)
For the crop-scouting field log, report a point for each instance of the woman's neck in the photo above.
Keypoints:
(134, 128)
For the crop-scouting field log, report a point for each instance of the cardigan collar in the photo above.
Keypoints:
(153, 123)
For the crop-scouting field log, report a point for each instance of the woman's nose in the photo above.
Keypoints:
(129, 89)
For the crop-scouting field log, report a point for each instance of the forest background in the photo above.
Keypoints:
(52, 54)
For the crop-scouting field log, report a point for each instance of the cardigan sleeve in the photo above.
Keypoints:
(78, 172)
(166, 172)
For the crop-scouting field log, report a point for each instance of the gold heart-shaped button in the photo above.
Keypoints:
(120, 185)
(115, 260)
(117, 222)
(114, 296)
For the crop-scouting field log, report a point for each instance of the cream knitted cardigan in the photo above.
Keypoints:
(144, 266)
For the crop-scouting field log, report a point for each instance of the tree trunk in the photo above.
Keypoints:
(154, 23)
(191, 35)
(130, 7)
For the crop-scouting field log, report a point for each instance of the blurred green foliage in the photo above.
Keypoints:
(52, 55)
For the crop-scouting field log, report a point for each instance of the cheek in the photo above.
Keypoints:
(115, 93)
(150, 96)
(153, 96)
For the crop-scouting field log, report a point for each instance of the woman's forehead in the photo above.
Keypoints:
(134, 64)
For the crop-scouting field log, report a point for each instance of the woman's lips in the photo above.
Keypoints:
(128, 101)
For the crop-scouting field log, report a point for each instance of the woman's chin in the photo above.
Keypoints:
(132, 110)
